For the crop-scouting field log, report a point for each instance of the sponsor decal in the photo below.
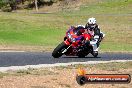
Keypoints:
(83, 78)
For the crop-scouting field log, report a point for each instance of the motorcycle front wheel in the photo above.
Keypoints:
(58, 50)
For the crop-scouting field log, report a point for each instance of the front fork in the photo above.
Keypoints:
(65, 50)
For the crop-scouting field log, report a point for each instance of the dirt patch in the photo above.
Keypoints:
(62, 78)
(25, 48)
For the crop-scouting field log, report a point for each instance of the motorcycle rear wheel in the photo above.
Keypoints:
(81, 56)
(95, 53)
(58, 50)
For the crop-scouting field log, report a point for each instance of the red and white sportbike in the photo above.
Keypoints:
(77, 43)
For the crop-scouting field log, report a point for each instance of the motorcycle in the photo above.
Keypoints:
(74, 44)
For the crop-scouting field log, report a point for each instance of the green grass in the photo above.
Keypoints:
(112, 66)
(29, 71)
(48, 30)
(3, 74)
(105, 7)
(28, 30)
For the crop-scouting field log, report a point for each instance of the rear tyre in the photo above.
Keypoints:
(81, 56)
(95, 53)
(58, 50)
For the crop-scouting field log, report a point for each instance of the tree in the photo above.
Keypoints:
(13, 4)
(36, 5)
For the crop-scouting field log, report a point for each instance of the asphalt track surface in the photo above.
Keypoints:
(35, 58)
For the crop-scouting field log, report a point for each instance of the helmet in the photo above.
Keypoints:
(91, 20)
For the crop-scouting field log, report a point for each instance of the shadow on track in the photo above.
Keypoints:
(78, 57)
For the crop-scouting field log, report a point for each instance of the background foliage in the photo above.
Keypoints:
(9, 5)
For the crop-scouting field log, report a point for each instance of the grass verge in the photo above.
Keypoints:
(63, 76)
(48, 30)
(112, 66)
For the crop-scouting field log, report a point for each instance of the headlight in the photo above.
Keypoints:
(73, 39)
(69, 35)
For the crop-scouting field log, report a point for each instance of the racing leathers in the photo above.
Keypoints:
(94, 30)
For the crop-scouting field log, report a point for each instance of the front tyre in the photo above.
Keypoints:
(58, 50)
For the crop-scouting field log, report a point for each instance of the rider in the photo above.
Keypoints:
(87, 36)
(93, 28)
(82, 31)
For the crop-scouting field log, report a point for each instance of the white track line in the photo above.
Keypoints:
(4, 69)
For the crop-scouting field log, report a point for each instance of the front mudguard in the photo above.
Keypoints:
(65, 38)
(67, 42)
